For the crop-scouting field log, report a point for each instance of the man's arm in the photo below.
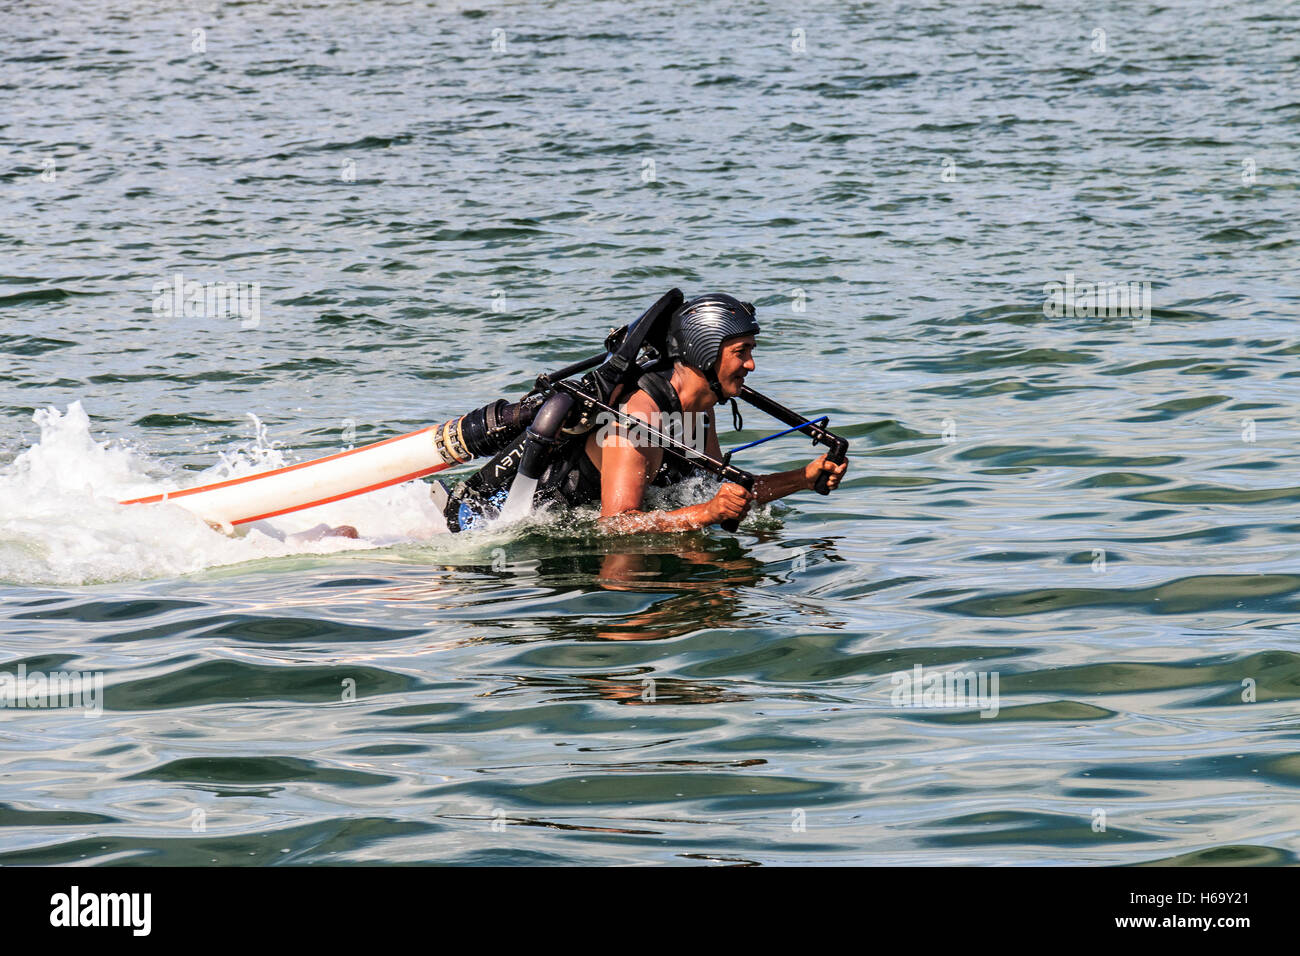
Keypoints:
(766, 487)
(770, 487)
(626, 470)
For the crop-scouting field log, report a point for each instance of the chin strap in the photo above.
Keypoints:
(716, 387)
(737, 422)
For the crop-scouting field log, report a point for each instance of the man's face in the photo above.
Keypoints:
(735, 362)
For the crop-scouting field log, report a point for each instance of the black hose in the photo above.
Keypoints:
(542, 435)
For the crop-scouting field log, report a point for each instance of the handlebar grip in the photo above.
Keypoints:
(732, 525)
(836, 455)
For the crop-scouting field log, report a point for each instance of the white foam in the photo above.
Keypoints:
(60, 521)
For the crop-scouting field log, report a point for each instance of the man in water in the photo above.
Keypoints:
(711, 341)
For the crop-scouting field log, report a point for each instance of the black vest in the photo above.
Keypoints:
(572, 477)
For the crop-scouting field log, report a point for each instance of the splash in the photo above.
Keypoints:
(60, 521)
(519, 504)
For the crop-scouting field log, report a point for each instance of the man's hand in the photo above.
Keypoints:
(731, 501)
(815, 469)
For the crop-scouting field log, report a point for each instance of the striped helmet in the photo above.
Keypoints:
(700, 326)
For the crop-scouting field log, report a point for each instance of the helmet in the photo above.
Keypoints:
(700, 326)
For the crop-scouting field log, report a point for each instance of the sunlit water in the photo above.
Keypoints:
(1098, 512)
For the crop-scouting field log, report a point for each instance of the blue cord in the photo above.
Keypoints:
(817, 421)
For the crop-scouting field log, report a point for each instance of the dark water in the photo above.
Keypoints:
(1097, 511)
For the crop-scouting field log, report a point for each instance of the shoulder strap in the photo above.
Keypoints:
(659, 386)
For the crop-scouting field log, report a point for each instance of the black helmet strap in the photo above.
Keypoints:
(715, 385)
(737, 422)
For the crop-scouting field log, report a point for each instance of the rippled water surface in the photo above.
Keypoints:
(441, 200)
